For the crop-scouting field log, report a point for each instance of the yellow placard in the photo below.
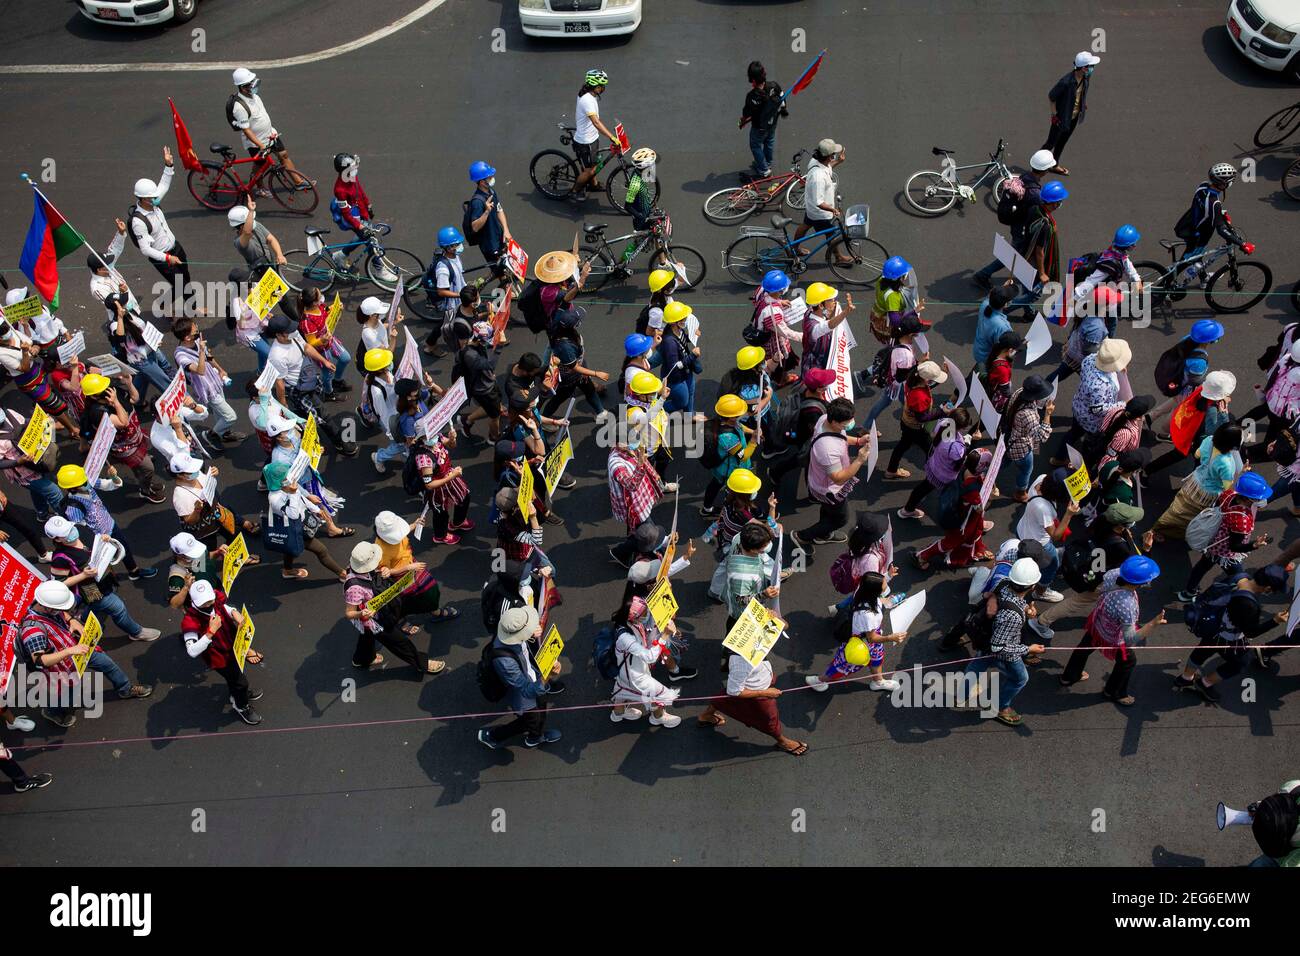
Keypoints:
(526, 491)
(553, 466)
(1078, 484)
(670, 553)
(549, 652)
(243, 637)
(28, 308)
(37, 435)
(662, 604)
(755, 633)
(387, 595)
(311, 441)
(236, 558)
(91, 632)
(332, 317)
(269, 290)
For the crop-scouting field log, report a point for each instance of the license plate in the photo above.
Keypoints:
(577, 26)
(1235, 27)
(108, 13)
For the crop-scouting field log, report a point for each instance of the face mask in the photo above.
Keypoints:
(1088, 71)
(492, 181)
(458, 248)
(194, 475)
(853, 423)
(73, 535)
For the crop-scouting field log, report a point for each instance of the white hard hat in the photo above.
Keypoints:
(371, 305)
(14, 296)
(1042, 160)
(243, 76)
(58, 527)
(201, 593)
(237, 216)
(1025, 572)
(145, 189)
(55, 594)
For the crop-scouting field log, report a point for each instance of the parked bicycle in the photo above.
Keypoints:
(1278, 128)
(219, 185)
(850, 254)
(322, 265)
(1291, 181)
(737, 203)
(606, 256)
(934, 192)
(555, 173)
(1232, 288)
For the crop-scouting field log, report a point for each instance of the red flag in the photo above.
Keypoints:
(802, 83)
(184, 145)
(1186, 422)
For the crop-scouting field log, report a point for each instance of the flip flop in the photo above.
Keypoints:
(798, 751)
(717, 721)
(297, 574)
(410, 629)
(379, 659)
(444, 614)
(343, 533)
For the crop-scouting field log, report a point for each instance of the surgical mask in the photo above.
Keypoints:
(458, 248)
(194, 475)
(853, 423)
(73, 535)
(1088, 71)
(492, 181)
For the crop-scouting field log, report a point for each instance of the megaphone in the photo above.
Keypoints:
(1228, 817)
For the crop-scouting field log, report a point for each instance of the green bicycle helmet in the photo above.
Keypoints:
(597, 78)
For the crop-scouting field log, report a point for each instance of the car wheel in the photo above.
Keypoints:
(184, 10)
(1293, 69)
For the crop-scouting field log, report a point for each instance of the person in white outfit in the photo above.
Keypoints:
(148, 230)
(638, 647)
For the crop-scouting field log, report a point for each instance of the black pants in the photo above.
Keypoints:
(530, 722)
(397, 642)
(13, 770)
(712, 491)
(778, 467)
(173, 273)
(1203, 565)
(923, 488)
(237, 683)
(565, 392)
(307, 403)
(12, 517)
(1057, 137)
(1234, 657)
(830, 517)
(441, 521)
(1117, 684)
(910, 436)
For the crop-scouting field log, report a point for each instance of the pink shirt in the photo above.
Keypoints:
(828, 455)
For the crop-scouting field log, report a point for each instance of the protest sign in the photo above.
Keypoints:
(662, 604)
(236, 557)
(37, 435)
(264, 296)
(243, 638)
(755, 633)
(91, 634)
(441, 414)
(549, 652)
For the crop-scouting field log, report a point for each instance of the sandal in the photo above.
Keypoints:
(899, 475)
(343, 533)
(1128, 700)
(248, 527)
(435, 667)
(409, 629)
(716, 720)
(253, 657)
(444, 614)
(294, 574)
(985, 556)
(253, 559)
(798, 750)
(1011, 720)
(1066, 683)
(379, 659)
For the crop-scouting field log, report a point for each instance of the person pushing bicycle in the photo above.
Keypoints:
(588, 129)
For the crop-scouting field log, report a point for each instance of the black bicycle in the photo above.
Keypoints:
(555, 173)
(1232, 288)
(1278, 128)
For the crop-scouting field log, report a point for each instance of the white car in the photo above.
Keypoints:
(138, 13)
(1268, 33)
(555, 18)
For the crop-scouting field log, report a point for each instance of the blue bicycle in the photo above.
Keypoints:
(851, 256)
(322, 265)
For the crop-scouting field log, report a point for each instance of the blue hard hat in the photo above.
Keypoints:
(637, 344)
(1196, 366)
(1253, 485)
(776, 281)
(896, 267)
(1054, 191)
(480, 170)
(1139, 569)
(1126, 237)
(449, 236)
(1205, 331)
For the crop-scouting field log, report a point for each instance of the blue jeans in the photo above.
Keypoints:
(47, 499)
(154, 369)
(327, 377)
(1054, 563)
(882, 402)
(393, 452)
(263, 349)
(1285, 484)
(113, 606)
(100, 661)
(680, 397)
(1027, 298)
(1013, 678)
(1024, 471)
(762, 143)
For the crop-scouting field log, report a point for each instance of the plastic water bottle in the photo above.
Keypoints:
(1192, 272)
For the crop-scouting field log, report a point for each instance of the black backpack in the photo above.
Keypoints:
(230, 111)
(603, 654)
(530, 306)
(1013, 210)
(784, 428)
(1077, 566)
(412, 480)
(1170, 373)
(472, 237)
(1205, 616)
(950, 506)
(1083, 266)
(132, 214)
(490, 684)
(710, 455)
(878, 373)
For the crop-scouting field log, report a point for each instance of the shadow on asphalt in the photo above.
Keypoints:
(1232, 65)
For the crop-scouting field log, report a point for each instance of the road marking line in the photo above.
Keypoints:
(419, 13)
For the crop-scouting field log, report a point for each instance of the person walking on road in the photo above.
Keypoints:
(1069, 99)
(763, 108)
(148, 230)
(525, 688)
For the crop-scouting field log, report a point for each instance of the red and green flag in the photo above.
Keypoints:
(50, 237)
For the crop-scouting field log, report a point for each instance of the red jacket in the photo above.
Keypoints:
(353, 203)
(222, 649)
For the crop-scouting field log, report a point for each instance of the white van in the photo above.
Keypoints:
(1267, 32)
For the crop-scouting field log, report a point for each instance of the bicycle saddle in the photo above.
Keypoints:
(219, 149)
(591, 228)
(315, 231)
(940, 151)
(1171, 244)
(780, 222)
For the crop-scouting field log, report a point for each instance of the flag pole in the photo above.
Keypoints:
(93, 251)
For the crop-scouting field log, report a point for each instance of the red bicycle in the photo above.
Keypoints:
(219, 185)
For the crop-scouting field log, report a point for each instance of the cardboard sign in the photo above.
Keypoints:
(903, 614)
(662, 604)
(99, 449)
(28, 308)
(332, 316)
(236, 557)
(18, 580)
(440, 415)
(549, 652)
(387, 595)
(755, 633)
(554, 464)
(244, 637)
(37, 435)
(1038, 341)
(409, 366)
(526, 490)
(311, 444)
(72, 348)
(516, 259)
(270, 289)
(91, 634)
(171, 400)
(1077, 484)
(991, 478)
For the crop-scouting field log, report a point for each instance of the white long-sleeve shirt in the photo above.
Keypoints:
(101, 287)
(156, 240)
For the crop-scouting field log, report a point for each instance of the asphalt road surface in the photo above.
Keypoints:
(392, 777)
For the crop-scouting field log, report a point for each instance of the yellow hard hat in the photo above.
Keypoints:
(71, 476)
(94, 383)
(646, 383)
(676, 311)
(749, 356)
(660, 278)
(856, 652)
(744, 482)
(819, 292)
(378, 360)
(731, 406)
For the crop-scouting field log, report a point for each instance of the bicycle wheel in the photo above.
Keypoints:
(1152, 274)
(616, 189)
(1278, 127)
(553, 173)
(1238, 287)
(794, 194)
(1291, 180)
(603, 267)
(868, 261)
(214, 187)
(385, 269)
(750, 258)
(303, 269)
(733, 204)
(929, 192)
(690, 260)
(292, 190)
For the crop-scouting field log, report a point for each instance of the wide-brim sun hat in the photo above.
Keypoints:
(391, 528)
(556, 266)
(1218, 385)
(517, 625)
(365, 557)
(932, 372)
(1035, 388)
(1114, 355)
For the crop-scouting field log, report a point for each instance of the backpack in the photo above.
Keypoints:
(490, 684)
(1189, 225)
(1013, 210)
(842, 574)
(132, 214)
(1203, 529)
(1077, 566)
(878, 372)
(530, 305)
(784, 427)
(602, 653)
(1205, 616)
(1083, 266)
(643, 321)
(412, 481)
(1169, 370)
(950, 509)
(472, 237)
(230, 111)
(710, 455)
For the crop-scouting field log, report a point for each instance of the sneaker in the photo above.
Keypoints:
(462, 425)
(1205, 690)
(348, 449)
(136, 692)
(1187, 596)
(550, 737)
(804, 545)
(835, 537)
(486, 740)
(553, 518)
(629, 713)
(767, 454)
(261, 486)
(670, 488)
(156, 497)
(212, 438)
(59, 720)
(36, 782)
(1045, 633)
(142, 573)
(555, 688)
(379, 465)
(816, 683)
(567, 482)
(21, 724)
(884, 685)
(254, 694)
(333, 397)
(248, 715)
(147, 635)
(667, 720)
(711, 512)
(1050, 596)
(603, 417)
(617, 560)
(449, 539)
(46, 558)
(1182, 683)
(465, 525)
(910, 513)
(341, 386)
(683, 673)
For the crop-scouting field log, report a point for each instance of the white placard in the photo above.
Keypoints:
(109, 366)
(842, 343)
(1025, 273)
(1074, 457)
(99, 449)
(268, 377)
(301, 462)
(441, 414)
(887, 543)
(417, 526)
(901, 616)
(151, 335)
(1004, 252)
(101, 556)
(958, 380)
(1038, 341)
(72, 348)
(410, 367)
(979, 399)
(991, 476)
(795, 311)
(873, 450)
(210, 488)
